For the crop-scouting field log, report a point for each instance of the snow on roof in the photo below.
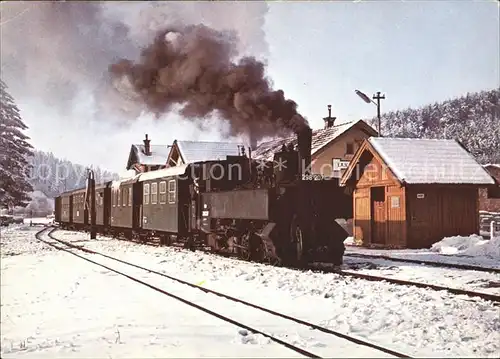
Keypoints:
(496, 165)
(115, 185)
(199, 151)
(428, 161)
(159, 155)
(320, 138)
(166, 172)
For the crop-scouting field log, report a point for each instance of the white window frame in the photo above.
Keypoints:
(154, 193)
(172, 191)
(145, 199)
(163, 192)
(124, 197)
(130, 197)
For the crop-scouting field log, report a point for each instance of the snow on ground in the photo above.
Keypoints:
(471, 250)
(39, 220)
(447, 277)
(411, 320)
(473, 246)
(55, 304)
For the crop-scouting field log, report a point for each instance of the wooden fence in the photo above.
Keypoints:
(485, 219)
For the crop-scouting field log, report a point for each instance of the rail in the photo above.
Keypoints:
(241, 301)
(491, 297)
(185, 301)
(426, 262)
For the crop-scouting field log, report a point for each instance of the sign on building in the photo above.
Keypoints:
(339, 167)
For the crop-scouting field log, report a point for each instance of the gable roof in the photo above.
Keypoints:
(424, 161)
(199, 151)
(320, 139)
(159, 155)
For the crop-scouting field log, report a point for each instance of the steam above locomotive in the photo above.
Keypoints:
(192, 66)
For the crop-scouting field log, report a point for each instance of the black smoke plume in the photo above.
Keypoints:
(56, 54)
(193, 66)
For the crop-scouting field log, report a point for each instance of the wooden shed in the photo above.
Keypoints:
(411, 193)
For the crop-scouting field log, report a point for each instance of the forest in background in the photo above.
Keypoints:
(473, 119)
(51, 176)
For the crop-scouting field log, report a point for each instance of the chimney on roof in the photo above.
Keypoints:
(147, 147)
(329, 121)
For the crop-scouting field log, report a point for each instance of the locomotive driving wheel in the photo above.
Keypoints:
(245, 251)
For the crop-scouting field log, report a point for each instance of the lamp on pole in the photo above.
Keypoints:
(377, 97)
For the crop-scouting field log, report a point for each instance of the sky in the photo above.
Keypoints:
(319, 53)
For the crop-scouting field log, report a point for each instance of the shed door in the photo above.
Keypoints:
(378, 215)
(424, 218)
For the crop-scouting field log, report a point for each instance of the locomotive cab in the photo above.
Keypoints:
(286, 165)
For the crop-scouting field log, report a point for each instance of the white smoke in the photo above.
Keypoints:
(55, 58)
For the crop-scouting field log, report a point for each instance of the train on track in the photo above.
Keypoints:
(274, 212)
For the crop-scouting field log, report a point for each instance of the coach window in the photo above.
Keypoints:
(154, 193)
(130, 197)
(124, 199)
(171, 191)
(118, 197)
(163, 192)
(146, 194)
(113, 199)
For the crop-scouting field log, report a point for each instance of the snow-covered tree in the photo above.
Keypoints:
(14, 153)
(52, 175)
(473, 119)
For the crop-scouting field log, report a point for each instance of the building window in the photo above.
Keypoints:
(154, 193)
(163, 192)
(349, 148)
(171, 191)
(146, 193)
(130, 197)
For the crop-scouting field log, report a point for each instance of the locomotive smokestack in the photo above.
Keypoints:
(147, 147)
(304, 140)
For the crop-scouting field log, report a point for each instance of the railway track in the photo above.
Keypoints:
(293, 347)
(328, 269)
(426, 262)
(491, 297)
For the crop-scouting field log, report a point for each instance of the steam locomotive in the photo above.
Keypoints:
(275, 212)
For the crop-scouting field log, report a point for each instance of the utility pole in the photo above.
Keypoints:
(91, 207)
(378, 97)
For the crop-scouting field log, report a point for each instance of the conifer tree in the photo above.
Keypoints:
(14, 154)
